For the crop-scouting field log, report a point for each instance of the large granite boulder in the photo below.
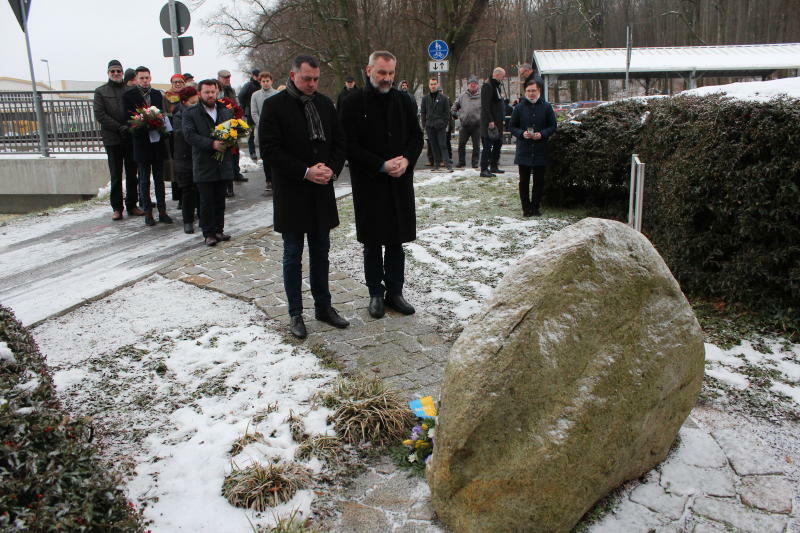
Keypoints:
(575, 377)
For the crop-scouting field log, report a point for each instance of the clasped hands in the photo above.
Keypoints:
(319, 173)
(535, 136)
(396, 167)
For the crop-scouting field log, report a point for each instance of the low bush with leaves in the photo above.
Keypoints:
(722, 188)
(51, 475)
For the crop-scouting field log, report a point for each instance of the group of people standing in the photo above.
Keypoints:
(304, 141)
(142, 153)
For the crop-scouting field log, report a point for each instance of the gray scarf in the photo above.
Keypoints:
(315, 130)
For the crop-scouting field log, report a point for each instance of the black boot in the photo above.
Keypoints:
(399, 304)
(375, 307)
(331, 316)
(297, 327)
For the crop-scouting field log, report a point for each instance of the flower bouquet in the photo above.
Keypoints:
(231, 104)
(148, 119)
(419, 445)
(228, 133)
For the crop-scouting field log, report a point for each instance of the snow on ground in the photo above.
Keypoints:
(175, 374)
(752, 90)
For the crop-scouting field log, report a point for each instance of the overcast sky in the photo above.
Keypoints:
(79, 37)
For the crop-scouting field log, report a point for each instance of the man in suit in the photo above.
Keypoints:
(384, 141)
(149, 150)
(301, 138)
(210, 176)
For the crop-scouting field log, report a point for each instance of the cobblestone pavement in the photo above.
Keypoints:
(730, 483)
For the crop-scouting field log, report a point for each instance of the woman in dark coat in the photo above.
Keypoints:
(532, 123)
(182, 157)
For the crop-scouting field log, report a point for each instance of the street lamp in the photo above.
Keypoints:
(49, 81)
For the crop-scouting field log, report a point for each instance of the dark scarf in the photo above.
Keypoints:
(145, 94)
(315, 130)
(116, 83)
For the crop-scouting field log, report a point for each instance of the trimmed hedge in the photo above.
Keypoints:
(51, 477)
(722, 190)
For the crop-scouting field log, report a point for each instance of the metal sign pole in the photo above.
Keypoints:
(173, 28)
(37, 102)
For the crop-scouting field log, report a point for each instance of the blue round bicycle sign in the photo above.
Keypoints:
(438, 50)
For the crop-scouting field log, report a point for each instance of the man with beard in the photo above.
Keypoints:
(384, 141)
(301, 138)
(109, 111)
(210, 176)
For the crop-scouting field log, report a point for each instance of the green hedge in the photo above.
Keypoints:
(51, 477)
(722, 190)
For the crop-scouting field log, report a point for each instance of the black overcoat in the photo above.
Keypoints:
(145, 151)
(300, 205)
(197, 127)
(380, 127)
(543, 119)
(181, 150)
(493, 108)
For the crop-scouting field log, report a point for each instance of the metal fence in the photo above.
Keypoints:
(68, 116)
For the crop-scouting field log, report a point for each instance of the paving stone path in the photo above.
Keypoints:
(729, 484)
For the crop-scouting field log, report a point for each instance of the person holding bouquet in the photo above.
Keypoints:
(147, 124)
(212, 160)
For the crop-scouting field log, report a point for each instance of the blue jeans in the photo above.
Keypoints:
(490, 155)
(319, 243)
(387, 267)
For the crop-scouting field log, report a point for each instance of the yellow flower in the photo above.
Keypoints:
(408, 442)
(225, 136)
(234, 134)
(424, 426)
(220, 127)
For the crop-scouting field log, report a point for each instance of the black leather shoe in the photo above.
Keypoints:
(241, 178)
(375, 307)
(297, 327)
(211, 241)
(399, 304)
(149, 220)
(164, 218)
(331, 317)
(486, 174)
(496, 170)
(188, 227)
(222, 237)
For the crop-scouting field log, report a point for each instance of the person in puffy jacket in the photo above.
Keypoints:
(532, 123)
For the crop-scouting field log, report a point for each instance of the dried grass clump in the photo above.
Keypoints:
(293, 524)
(325, 447)
(242, 442)
(369, 411)
(296, 427)
(258, 487)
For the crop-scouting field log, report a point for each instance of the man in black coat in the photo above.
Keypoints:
(435, 114)
(210, 176)
(300, 136)
(493, 111)
(384, 141)
(245, 94)
(349, 87)
(149, 148)
(110, 113)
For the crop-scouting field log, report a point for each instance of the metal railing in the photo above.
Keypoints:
(637, 193)
(69, 122)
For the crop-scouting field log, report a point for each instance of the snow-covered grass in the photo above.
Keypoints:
(175, 375)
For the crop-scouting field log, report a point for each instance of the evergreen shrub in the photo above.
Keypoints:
(722, 190)
(51, 477)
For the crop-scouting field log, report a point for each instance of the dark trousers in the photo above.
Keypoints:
(319, 244)
(465, 133)
(251, 142)
(438, 138)
(189, 198)
(121, 156)
(384, 271)
(490, 155)
(267, 171)
(531, 202)
(212, 206)
(157, 168)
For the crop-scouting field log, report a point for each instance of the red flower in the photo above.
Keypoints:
(230, 104)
